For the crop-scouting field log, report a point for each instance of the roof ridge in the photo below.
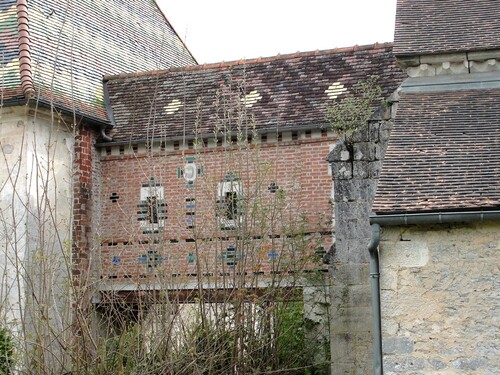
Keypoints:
(24, 49)
(223, 64)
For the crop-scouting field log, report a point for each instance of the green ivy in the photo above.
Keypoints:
(6, 352)
(291, 339)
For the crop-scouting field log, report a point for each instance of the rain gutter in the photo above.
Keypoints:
(435, 217)
(109, 110)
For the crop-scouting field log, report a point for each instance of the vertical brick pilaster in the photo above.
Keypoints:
(82, 189)
(84, 160)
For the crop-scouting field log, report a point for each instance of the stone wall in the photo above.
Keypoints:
(355, 175)
(439, 296)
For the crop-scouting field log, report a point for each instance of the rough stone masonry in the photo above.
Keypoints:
(355, 173)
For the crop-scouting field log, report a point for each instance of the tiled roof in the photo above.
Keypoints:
(443, 153)
(431, 26)
(73, 44)
(285, 91)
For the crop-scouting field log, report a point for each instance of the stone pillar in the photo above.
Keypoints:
(316, 318)
(356, 168)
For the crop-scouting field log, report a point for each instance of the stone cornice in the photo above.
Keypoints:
(450, 64)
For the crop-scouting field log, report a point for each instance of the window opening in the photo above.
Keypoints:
(152, 210)
(152, 214)
(230, 202)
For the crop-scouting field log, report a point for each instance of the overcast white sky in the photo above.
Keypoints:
(226, 30)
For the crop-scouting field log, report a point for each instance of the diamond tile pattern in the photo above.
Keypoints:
(74, 43)
(292, 90)
(431, 26)
(443, 153)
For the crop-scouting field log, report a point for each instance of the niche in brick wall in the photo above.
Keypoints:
(231, 256)
(190, 212)
(229, 202)
(152, 259)
(152, 209)
(190, 171)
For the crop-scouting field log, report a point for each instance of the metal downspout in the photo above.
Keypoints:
(406, 219)
(109, 111)
(375, 290)
(104, 136)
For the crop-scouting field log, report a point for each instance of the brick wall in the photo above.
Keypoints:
(285, 191)
(86, 182)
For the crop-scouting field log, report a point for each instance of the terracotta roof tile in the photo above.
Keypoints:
(430, 26)
(287, 90)
(443, 154)
(73, 44)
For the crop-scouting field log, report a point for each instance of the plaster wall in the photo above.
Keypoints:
(440, 300)
(13, 221)
(35, 232)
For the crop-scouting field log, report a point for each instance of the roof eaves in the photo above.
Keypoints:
(477, 81)
(93, 120)
(209, 135)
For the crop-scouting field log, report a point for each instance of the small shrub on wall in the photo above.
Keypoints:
(351, 114)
